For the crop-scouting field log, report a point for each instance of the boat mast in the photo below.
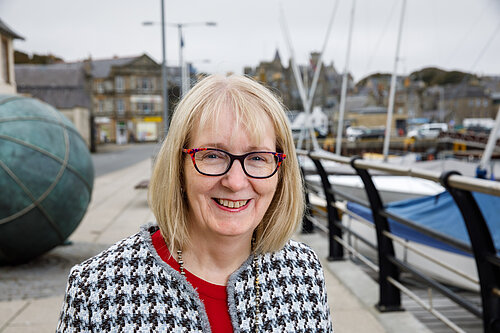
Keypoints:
(340, 127)
(488, 151)
(392, 92)
(317, 70)
(298, 80)
(307, 99)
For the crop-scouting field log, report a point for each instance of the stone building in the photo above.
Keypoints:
(454, 103)
(126, 99)
(467, 101)
(281, 79)
(7, 75)
(273, 75)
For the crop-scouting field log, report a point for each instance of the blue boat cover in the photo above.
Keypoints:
(439, 213)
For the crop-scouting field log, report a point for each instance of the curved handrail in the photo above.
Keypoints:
(487, 259)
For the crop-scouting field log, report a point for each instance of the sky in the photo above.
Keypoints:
(449, 34)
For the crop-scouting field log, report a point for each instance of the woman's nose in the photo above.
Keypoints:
(235, 178)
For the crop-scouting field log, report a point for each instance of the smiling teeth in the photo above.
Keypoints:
(232, 204)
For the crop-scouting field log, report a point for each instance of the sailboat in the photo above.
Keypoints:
(430, 206)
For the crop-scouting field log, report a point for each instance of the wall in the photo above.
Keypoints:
(7, 88)
(80, 117)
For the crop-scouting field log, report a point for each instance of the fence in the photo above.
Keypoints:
(481, 247)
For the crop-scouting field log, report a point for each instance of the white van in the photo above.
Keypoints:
(428, 131)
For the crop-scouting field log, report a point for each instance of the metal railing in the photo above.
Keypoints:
(481, 247)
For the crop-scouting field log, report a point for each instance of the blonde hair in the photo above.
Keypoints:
(252, 104)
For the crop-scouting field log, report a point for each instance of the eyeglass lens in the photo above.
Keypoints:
(216, 162)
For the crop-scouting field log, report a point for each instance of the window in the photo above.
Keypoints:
(145, 84)
(485, 102)
(108, 85)
(145, 107)
(119, 84)
(120, 106)
(99, 87)
(5, 61)
(100, 106)
(108, 105)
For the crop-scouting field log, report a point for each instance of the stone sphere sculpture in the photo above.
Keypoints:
(46, 178)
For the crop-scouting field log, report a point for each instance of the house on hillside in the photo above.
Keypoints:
(467, 101)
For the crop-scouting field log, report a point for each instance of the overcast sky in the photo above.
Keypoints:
(450, 34)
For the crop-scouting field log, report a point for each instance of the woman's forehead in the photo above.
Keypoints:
(226, 126)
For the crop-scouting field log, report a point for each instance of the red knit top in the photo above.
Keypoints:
(213, 296)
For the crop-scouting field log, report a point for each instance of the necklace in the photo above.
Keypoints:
(256, 282)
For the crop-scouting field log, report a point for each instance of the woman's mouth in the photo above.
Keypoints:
(231, 203)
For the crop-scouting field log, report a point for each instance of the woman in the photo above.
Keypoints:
(226, 192)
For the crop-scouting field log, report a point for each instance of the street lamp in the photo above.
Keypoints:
(184, 77)
(185, 81)
(163, 70)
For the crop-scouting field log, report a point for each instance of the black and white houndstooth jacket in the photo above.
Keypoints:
(129, 288)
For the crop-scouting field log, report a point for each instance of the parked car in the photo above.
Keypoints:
(353, 132)
(373, 133)
(361, 132)
(428, 131)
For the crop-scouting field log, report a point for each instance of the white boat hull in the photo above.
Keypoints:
(391, 188)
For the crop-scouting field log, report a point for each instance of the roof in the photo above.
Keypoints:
(370, 110)
(61, 85)
(60, 98)
(277, 57)
(53, 75)
(102, 68)
(4, 28)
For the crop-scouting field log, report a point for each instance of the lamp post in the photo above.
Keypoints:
(185, 79)
(163, 70)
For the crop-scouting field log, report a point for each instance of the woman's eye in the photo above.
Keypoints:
(212, 155)
(258, 158)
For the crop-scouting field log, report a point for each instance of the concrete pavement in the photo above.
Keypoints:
(31, 294)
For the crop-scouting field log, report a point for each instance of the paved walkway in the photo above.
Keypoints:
(31, 294)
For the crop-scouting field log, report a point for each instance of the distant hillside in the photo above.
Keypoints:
(384, 76)
(431, 76)
(38, 59)
(434, 76)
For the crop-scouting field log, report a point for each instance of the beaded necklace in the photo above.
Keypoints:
(256, 282)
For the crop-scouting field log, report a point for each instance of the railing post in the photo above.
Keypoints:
(307, 225)
(483, 249)
(336, 250)
(390, 296)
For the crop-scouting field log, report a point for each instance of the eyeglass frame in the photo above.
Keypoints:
(241, 158)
